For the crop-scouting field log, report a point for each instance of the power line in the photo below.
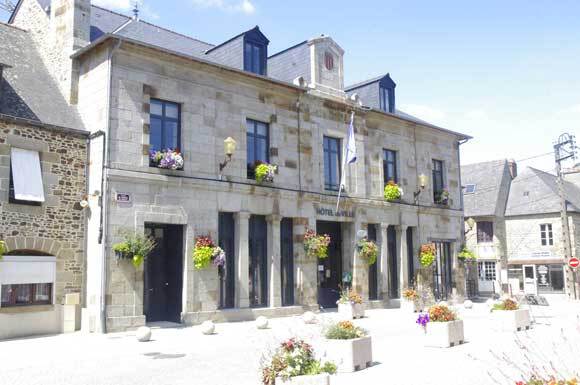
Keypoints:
(535, 156)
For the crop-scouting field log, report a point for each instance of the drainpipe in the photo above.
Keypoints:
(459, 143)
(299, 144)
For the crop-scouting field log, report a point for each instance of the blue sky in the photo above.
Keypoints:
(505, 72)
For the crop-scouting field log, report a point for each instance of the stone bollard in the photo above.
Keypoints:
(262, 322)
(309, 317)
(208, 327)
(467, 304)
(143, 334)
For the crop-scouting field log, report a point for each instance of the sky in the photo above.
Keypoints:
(505, 72)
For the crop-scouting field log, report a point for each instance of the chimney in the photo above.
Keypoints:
(513, 168)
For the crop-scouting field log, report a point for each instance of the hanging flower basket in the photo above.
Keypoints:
(466, 255)
(167, 159)
(265, 172)
(206, 252)
(134, 247)
(427, 254)
(392, 192)
(368, 250)
(316, 245)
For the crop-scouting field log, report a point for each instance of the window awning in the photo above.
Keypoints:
(26, 175)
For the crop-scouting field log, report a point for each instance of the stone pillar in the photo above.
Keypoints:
(402, 252)
(360, 268)
(275, 257)
(384, 263)
(243, 265)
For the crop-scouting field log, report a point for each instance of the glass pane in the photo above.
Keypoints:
(250, 155)
(261, 150)
(334, 171)
(262, 129)
(155, 141)
(22, 293)
(42, 292)
(172, 110)
(6, 290)
(250, 124)
(170, 135)
(326, 169)
(156, 108)
(256, 60)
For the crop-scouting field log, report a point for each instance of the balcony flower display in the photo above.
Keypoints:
(427, 254)
(392, 191)
(265, 172)
(206, 252)
(368, 250)
(167, 159)
(466, 255)
(442, 197)
(316, 245)
(134, 247)
(294, 358)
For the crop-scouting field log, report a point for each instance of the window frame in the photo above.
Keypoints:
(438, 175)
(249, 64)
(484, 236)
(546, 234)
(252, 166)
(487, 270)
(164, 118)
(387, 162)
(32, 287)
(328, 155)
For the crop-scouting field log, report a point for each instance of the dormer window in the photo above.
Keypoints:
(255, 57)
(387, 102)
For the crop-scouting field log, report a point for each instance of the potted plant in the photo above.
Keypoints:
(316, 246)
(393, 192)
(294, 363)
(170, 159)
(205, 251)
(348, 346)
(350, 305)
(442, 197)
(441, 326)
(508, 316)
(410, 300)
(427, 254)
(264, 172)
(368, 250)
(135, 247)
(466, 255)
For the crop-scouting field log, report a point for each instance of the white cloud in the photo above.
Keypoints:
(429, 114)
(243, 6)
(126, 6)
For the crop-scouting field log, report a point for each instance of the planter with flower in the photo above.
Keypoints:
(170, 159)
(466, 255)
(264, 172)
(293, 362)
(442, 197)
(441, 326)
(411, 300)
(508, 316)
(348, 346)
(350, 305)
(393, 192)
(316, 246)
(206, 252)
(134, 247)
(368, 250)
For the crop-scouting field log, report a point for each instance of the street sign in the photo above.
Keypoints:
(574, 262)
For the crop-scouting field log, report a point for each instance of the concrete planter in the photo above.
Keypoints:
(349, 310)
(511, 320)
(410, 306)
(318, 379)
(350, 355)
(444, 334)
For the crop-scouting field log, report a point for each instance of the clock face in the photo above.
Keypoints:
(328, 61)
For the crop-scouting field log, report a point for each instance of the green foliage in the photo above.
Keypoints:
(506, 304)
(264, 172)
(427, 254)
(368, 250)
(344, 330)
(316, 245)
(3, 249)
(135, 247)
(466, 254)
(392, 192)
(202, 256)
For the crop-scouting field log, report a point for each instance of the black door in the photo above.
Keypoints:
(330, 268)
(373, 269)
(227, 273)
(443, 271)
(393, 266)
(258, 262)
(410, 257)
(287, 268)
(163, 278)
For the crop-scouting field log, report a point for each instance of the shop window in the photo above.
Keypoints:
(546, 235)
(331, 163)
(258, 145)
(484, 232)
(486, 270)
(25, 186)
(390, 171)
(165, 126)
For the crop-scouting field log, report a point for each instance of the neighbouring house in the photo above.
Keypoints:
(513, 224)
(167, 104)
(43, 154)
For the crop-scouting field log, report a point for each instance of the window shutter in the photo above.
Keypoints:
(26, 175)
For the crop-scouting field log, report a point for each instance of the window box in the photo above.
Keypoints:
(350, 355)
(444, 334)
(166, 159)
(511, 320)
(318, 379)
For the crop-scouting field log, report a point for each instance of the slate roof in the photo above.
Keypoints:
(490, 180)
(535, 191)
(28, 90)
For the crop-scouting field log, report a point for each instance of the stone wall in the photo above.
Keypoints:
(57, 226)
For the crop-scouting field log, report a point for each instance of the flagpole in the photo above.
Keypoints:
(344, 153)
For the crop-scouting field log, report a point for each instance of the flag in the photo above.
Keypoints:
(350, 143)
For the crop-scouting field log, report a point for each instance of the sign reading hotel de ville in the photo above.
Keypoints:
(330, 212)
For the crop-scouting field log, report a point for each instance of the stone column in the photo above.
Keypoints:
(243, 265)
(402, 252)
(275, 257)
(384, 263)
(360, 268)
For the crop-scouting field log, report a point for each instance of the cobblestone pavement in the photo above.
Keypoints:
(232, 356)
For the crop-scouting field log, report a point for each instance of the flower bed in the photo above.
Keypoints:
(507, 316)
(348, 346)
(205, 251)
(170, 159)
(368, 250)
(350, 305)
(392, 191)
(316, 246)
(441, 326)
(292, 360)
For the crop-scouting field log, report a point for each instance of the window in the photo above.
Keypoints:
(484, 232)
(390, 166)
(254, 57)
(486, 270)
(469, 188)
(26, 294)
(546, 234)
(258, 147)
(165, 121)
(437, 180)
(387, 101)
(331, 163)
(25, 186)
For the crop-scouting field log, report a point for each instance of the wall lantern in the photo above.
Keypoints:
(423, 180)
(229, 149)
(470, 223)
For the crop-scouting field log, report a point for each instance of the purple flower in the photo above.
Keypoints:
(423, 319)
(219, 257)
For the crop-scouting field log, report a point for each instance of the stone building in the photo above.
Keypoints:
(43, 153)
(514, 226)
(150, 89)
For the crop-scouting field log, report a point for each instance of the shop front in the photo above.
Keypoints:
(537, 278)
